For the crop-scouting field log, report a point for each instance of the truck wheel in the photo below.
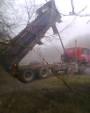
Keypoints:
(53, 71)
(82, 69)
(43, 73)
(27, 76)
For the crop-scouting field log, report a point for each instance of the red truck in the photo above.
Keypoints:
(79, 54)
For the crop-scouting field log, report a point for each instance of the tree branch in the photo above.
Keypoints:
(72, 6)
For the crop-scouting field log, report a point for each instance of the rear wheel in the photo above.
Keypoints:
(82, 69)
(27, 76)
(44, 73)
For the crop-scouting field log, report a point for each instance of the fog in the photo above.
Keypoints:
(71, 28)
(81, 41)
(49, 54)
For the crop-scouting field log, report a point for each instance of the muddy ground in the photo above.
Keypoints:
(50, 95)
(10, 84)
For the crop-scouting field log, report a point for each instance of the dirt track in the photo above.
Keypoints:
(17, 97)
(10, 84)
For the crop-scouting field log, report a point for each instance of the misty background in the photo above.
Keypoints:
(16, 14)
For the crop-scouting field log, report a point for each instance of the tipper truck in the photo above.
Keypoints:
(12, 53)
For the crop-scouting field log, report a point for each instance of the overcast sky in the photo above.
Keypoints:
(78, 25)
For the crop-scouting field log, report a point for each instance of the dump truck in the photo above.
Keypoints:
(78, 58)
(79, 54)
(14, 51)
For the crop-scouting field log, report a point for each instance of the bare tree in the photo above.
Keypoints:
(10, 20)
(6, 27)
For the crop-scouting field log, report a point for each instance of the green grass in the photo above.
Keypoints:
(50, 96)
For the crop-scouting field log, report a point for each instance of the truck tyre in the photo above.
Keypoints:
(82, 69)
(54, 72)
(43, 73)
(27, 76)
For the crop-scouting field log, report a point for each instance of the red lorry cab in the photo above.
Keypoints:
(78, 53)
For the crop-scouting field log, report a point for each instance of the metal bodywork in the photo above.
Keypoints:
(79, 54)
(47, 16)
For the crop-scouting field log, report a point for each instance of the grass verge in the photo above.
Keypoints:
(58, 99)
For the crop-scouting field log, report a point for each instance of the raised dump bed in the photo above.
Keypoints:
(13, 52)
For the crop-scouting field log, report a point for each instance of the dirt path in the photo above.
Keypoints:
(10, 84)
